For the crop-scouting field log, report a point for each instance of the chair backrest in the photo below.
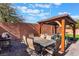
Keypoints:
(24, 39)
(48, 37)
(58, 42)
(42, 36)
(30, 43)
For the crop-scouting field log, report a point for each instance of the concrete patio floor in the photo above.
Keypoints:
(17, 49)
(73, 50)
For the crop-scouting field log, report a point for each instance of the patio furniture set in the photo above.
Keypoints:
(43, 45)
(58, 22)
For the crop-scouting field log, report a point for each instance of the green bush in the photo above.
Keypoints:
(71, 35)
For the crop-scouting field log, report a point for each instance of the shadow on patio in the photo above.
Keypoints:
(17, 49)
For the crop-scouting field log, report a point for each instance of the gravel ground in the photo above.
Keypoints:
(17, 49)
(73, 50)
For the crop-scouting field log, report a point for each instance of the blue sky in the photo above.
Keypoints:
(34, 12)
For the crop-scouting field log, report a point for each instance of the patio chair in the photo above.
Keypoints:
(24, 40)
(55, 49)
(42, 36)
(32, 50)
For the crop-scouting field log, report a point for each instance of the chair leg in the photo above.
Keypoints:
(0, 50)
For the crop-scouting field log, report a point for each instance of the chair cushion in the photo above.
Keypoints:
(48, 37)
(30, 43)
(42, 36)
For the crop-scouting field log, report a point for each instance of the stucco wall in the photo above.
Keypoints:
(13, 29)
(19, 29)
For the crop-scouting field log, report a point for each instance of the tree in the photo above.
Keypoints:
(77, 25)
(8, 14)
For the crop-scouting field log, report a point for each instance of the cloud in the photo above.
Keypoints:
(35, 11)
(75, 16)
(33, 14)
(41, 15)
(22, 8)
(58, 4)
(60, 13)
(43, 5)
(25, 9)
(30, 19)
(34, 18)
(44, 15)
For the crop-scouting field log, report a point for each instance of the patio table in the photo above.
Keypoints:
(45, 45)
(44, 42)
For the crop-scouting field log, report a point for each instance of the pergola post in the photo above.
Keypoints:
(55, 29)
(41, 27)
(74, 31)
(62, 35)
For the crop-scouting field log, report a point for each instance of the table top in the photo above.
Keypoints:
(44, 42)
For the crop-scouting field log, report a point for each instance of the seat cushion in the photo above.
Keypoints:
(48, 37)
(42, 36)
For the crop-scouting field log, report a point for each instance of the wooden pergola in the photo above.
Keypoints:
(60, 21)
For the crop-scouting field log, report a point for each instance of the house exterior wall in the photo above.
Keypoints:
(70, 31)
(47, 29)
